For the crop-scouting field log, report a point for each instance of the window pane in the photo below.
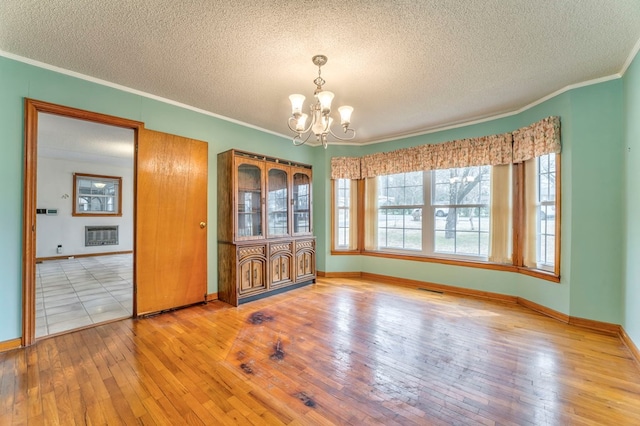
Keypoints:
(460, 202)
(403, 189)
(343, 228)
(444, 244)
(400, 201)
(546, 178)
(398, 230)
(277, 202)
(301, 203)
(96, 194)
(84, 185)
(343, 201)
(546, 184)
(249, 200)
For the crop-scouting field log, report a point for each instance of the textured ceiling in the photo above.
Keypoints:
(405, 66)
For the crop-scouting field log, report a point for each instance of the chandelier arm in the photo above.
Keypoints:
(346, 138)
(297, 139)
(298, 131)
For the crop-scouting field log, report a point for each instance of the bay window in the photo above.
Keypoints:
(491, 201)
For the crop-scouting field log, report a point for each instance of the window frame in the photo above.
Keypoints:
(357, 246)
(425, 184)
(343, 209)
(544, 205)
(517, 265)
(435, 206)
(428, 229)
(97, 179)
(519, 225)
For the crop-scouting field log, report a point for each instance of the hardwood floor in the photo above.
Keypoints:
(343, 351)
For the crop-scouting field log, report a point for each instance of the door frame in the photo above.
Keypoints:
(32, 107)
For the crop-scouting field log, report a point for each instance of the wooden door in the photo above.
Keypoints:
(300, 262)
(245, 276)
(251, 275)
(258, 275)
(277, 205)
(275, 269)
(280, 269)
(171, 215)
(305, 264)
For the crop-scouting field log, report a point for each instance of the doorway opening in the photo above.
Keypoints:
(61, 271)
(84, 223)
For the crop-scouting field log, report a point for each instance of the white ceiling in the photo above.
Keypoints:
(407, 66)
(84, 141)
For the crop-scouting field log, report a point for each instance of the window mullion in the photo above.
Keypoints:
(518, 213)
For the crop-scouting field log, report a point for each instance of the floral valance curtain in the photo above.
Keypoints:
(345, 168)
(535, 140)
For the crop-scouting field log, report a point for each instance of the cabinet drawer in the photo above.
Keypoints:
(276, 248)
(305, 245)
(247, 251)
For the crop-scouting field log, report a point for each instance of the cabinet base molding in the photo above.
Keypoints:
(273, 292)
(8, 345)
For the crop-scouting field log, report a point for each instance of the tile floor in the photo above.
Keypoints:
(73, 293)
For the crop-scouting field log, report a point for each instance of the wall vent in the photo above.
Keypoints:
(100, 236)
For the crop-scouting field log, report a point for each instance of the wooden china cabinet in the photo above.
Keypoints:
(265, 235)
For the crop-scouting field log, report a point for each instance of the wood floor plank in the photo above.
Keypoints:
(342, 351)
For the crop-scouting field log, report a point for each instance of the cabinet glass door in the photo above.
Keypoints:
(277, 203)
(301, 203)
(249, 201)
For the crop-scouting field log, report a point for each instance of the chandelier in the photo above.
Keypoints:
(320, 111)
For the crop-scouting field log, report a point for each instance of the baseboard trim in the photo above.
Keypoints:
(544, 310)
(323, 274)
(8, 345)
(75, 256)
(604, 327)
(404, 282)
(211, 297)
(629, 343)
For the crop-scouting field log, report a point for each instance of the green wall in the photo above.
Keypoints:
(19, 80)
(631, 221)
(596, 198)
(600, 276)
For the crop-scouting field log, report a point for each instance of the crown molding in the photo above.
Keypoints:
(133, 91)
(430, 130)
